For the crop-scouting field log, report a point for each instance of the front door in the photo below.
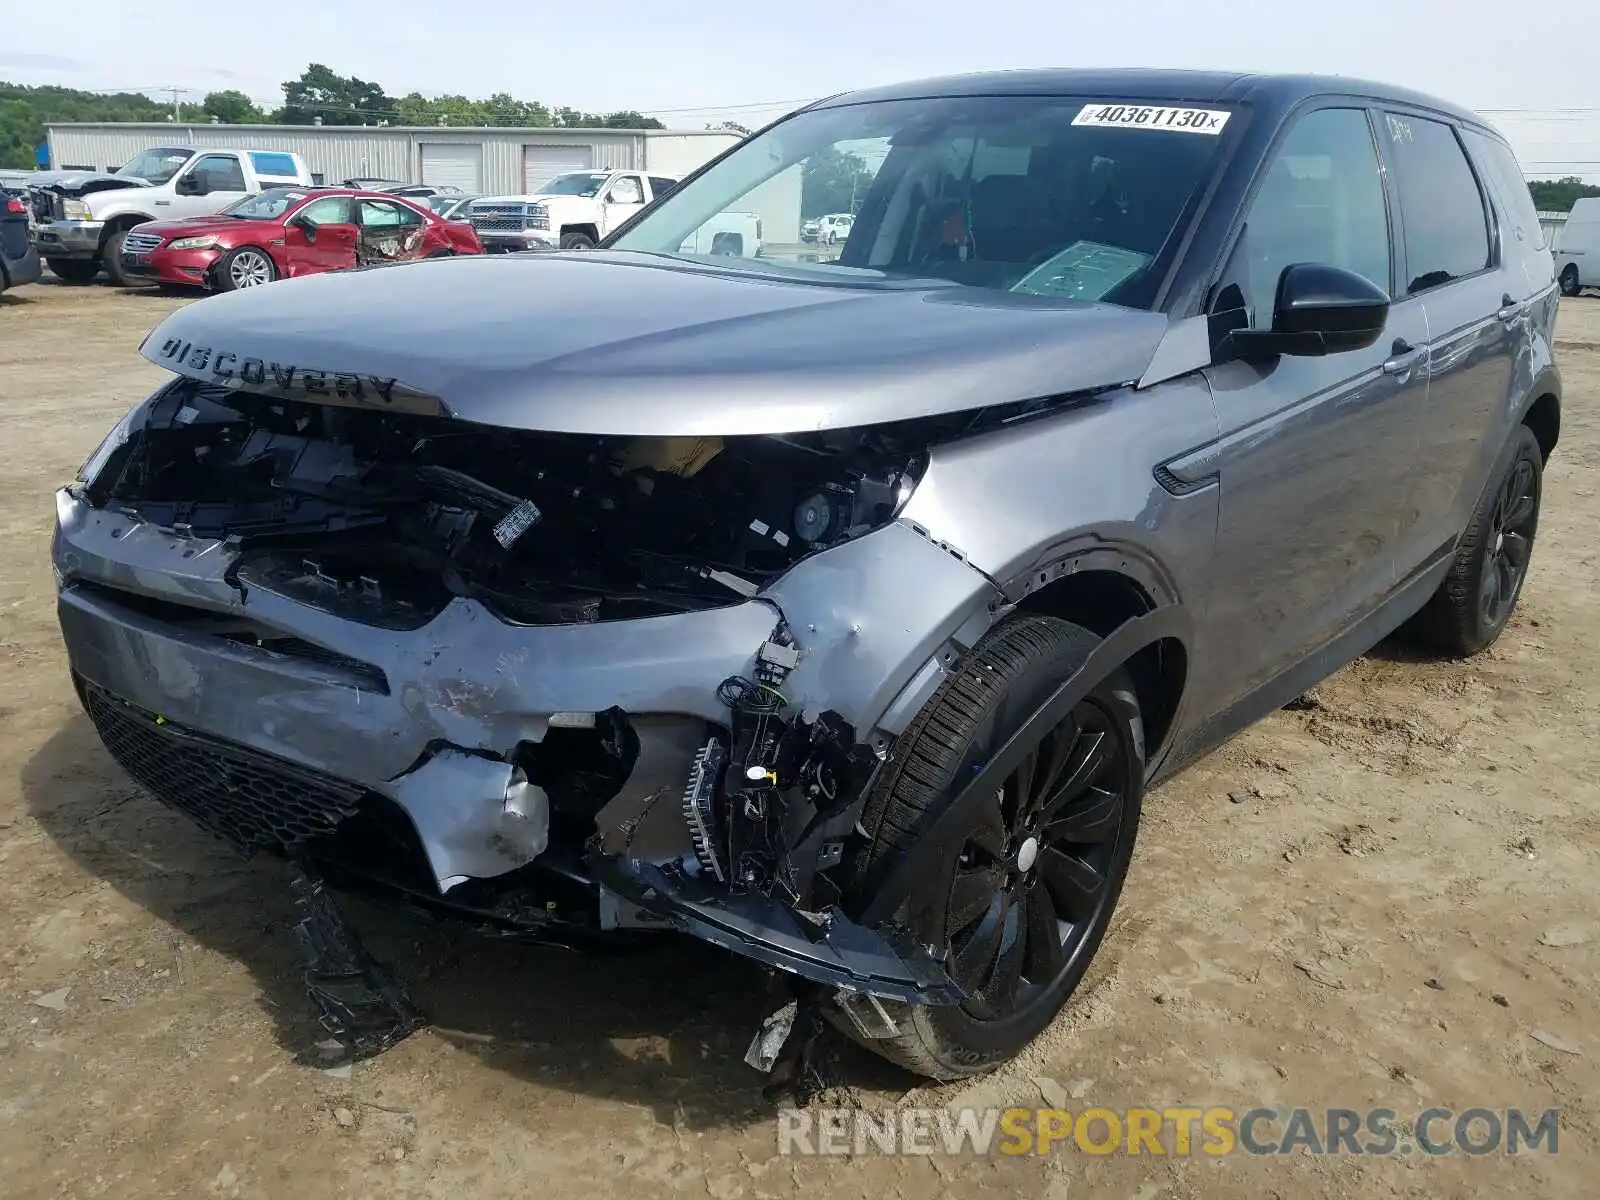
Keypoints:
(320, 237)
(221, 182)
(625, 197)
(1316, 454)
(1477, 313)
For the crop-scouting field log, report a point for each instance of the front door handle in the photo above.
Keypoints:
(1402, 357)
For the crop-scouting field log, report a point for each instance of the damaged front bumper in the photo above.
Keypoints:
(278, 739)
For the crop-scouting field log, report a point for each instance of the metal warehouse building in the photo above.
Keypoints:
(488, 161)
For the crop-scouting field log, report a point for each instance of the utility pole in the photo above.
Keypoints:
(177, 106)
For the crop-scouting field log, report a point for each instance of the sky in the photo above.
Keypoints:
(1528, 67)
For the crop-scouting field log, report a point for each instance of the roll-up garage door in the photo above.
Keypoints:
(541, 164)
(453, 164)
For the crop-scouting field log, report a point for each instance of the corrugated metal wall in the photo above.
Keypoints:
(341, 152)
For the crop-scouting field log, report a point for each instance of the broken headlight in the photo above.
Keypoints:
(113, 441)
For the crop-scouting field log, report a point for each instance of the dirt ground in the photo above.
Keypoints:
(1377, 901)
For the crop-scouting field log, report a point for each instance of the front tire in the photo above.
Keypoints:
(1023, 905)
(1570, 284)
(244, 267)
(577, 241)
(1478, 596)
(111, 259)
(76, 271)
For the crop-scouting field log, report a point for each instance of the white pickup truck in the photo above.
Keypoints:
(81, 220)
(574, 211)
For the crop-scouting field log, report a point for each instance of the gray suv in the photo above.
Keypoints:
(836, 613)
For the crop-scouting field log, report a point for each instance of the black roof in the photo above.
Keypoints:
(1217, 87)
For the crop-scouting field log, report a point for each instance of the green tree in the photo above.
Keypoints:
(232, 108)
(24, 112)
(1559, 195)
(337, 99)
(832, 181)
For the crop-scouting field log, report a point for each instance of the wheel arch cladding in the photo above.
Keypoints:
(1544, 419)
(1102, 600)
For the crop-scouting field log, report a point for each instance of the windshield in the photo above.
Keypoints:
(579, 183)
(156, 166)
(444, 204)
(1067, 197)
(266, 206)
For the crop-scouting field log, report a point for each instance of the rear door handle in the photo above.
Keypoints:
(1509, 310)
(1402, 357)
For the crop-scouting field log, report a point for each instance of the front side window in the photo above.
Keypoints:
(627, 190)
(222, 172)
(1320, 200)
(1447, 230)
(1070, 198)
(330, 210)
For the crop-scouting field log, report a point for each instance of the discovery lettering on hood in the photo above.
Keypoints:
(291, 381)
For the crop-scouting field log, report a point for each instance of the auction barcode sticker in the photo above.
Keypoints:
(1145, 116)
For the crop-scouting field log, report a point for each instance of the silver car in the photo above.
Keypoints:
(838, 614)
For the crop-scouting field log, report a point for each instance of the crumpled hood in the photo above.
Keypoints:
(74, 181)
(635, 344)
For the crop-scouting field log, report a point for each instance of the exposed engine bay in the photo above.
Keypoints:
(400, 514)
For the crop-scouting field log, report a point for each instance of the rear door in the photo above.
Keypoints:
(1315, 453)
(388, 232)
(1476, 300)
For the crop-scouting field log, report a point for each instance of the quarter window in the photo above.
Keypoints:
(1497, 161)
(1447, 230)
(1321, 201)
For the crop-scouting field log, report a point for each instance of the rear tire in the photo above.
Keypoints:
(1570, 285)
(1478, 596)
(76, 271)
(1023, 906)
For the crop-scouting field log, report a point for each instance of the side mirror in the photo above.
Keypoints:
(304, 226)
(1318, 310)
(196, 183)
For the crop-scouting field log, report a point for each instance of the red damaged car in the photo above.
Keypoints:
(280, 233)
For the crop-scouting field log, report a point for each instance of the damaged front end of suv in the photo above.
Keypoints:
(554, 684)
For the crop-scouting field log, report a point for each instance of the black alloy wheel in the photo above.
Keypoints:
(1035, 875)
(1510, 543)
(1021, 903)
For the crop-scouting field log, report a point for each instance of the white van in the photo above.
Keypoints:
(1577, 248)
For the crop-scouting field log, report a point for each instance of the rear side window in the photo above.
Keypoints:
(1497, 161)
(660, 186)
(1321, 201)
(1446, 228)
(281, 165)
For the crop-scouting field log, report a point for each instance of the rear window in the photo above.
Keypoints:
(282, 165)
(1447, 232)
